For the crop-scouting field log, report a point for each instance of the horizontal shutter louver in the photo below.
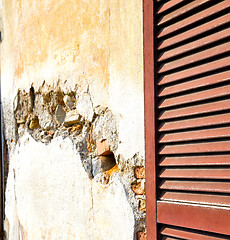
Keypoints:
(202, 29)
(195, 84)
(182, 233)
(195, 17)
(169, 5)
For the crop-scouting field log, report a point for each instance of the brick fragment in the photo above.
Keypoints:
(141, 236)
(103, 148)
(142, 205)
(137, 188)
(139, 172)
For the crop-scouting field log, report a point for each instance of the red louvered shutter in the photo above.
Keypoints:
(191, 102)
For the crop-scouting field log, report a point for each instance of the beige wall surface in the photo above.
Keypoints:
(90, 52)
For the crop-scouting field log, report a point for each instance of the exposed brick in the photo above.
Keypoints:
(139, 172)
(137, 188)
(142, 205)
(141, 236)
(103, 148)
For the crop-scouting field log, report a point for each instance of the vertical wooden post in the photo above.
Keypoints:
(149, 92)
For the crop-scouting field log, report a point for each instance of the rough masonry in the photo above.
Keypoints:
(49, 117)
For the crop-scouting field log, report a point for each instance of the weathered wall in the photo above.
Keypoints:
(72, 90)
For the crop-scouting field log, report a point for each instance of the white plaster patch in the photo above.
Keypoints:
(53, 191)
(55, 199)
(113, 214)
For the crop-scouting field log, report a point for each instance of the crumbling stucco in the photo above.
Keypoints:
(56, 172)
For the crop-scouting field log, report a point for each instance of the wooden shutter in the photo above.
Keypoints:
(192, 107)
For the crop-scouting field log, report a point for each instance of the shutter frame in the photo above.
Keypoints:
(149, 106)
(191, 117)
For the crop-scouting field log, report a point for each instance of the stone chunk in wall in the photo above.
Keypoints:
(72, 117)
(85, 106)
(60, 114)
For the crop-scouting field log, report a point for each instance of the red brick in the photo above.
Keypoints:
(139, 172)
(103, 148)
(141, 236)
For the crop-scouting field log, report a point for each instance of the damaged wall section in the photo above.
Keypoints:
(80, 170)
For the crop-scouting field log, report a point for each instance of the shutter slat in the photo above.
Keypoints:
(201, 217)
(210, 39)
(182, 10)
(195, 18)
(189, 234)
(194, 97)
(193, 58)
(195, 31)
(201, 186)
(195, 135)
(168, 5)
(196, 122)
(195, 110)
(196, 148)
(191, 72)
(196, 198)
(194, 84)
(212, 160)
(200, 173)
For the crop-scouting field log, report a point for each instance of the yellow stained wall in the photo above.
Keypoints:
(52, 40)
(64, 31)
